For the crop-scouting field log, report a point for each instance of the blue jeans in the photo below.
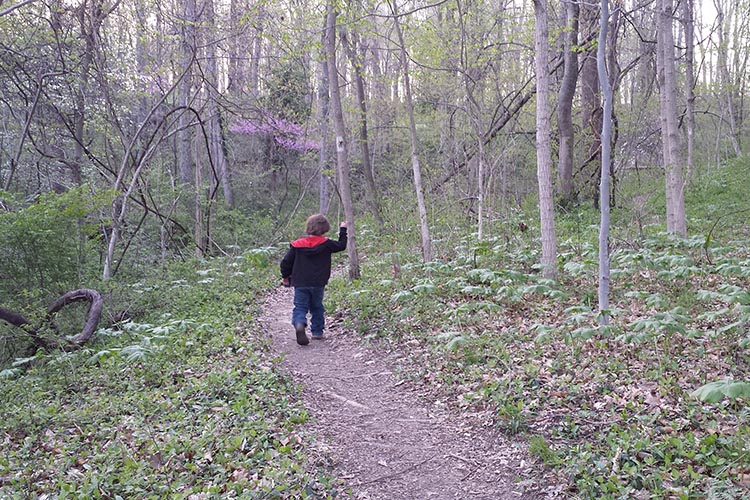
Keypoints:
(309, 299)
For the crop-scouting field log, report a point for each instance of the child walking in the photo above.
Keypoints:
(307, 267)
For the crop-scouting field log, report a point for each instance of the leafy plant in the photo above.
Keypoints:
(713, 392)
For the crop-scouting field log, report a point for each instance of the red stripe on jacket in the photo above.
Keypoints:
(309, 241)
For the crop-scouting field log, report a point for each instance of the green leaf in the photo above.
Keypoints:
(424, 288)
(713, 392)
(737, 390)
(584, 333)
(709, 393)
(401, 296)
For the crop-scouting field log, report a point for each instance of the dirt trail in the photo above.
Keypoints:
(386, 443)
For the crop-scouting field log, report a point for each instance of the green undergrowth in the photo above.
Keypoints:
(184, 401)
(613, 409)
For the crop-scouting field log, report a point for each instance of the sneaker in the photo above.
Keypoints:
(317, 335)
(302, 339)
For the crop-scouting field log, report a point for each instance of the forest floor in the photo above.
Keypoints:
(382, 437)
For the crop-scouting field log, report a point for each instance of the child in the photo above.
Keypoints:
(307, 267)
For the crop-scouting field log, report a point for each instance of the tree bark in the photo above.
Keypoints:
(341, 146)
(606, 134)
(671, 148)
(590, 104)
(565, 102)
(323, 118)
(689, 23)
(543, 147)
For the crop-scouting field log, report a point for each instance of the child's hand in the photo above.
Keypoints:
(286, 282)
(344, 224)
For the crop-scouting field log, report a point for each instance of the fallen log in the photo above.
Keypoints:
(92, 319)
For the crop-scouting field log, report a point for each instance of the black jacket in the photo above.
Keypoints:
(308, 260)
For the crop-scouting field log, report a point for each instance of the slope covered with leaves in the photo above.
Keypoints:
(185, 402)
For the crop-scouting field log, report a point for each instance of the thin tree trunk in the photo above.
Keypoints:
(25, 132)
(323, 102)
(237, 41)
(257, 47)
(198, 231)
(341, 147)
(90, 17)
(543, 147)
(590, 104)
(371, 195)
(688, 14)
(604, 188)
(216, 134)
(476, 112)
(480, 189)
(187, 52)
(416, 167)
(565, 102)
(676, 219)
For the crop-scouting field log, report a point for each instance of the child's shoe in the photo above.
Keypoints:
(302, 339)
(317, 335)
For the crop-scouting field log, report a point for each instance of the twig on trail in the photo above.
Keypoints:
(418, 420)
(363, 375)
(345, 400)
(465, 460)
(367, 375)
(397, 473)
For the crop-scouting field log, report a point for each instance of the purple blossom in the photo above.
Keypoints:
(287, 134)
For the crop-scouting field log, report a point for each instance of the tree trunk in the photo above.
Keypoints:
(198, 230)
(357, 62)
(237, 44)
(565, 102)
(323, 102)
(257, 47)
(341, 148)
(590, 105)
(676, 220)
(90, 18)
(216, 134)
(604, 205)
(416, 167)
(187, 54)
(480, 187)
(688, 20)
(543, 147)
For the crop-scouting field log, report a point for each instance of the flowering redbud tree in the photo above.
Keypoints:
(285, 133)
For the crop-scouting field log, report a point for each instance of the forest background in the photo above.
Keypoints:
(155, 156)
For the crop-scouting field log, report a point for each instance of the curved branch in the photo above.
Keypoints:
(94, 314)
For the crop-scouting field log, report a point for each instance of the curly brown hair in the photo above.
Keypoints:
(317, 225)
